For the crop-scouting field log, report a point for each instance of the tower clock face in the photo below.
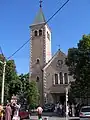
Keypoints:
(59, 63)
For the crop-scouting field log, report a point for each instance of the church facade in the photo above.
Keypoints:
(50, 72)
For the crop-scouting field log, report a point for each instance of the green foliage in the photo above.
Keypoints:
(18, 85)
(12, 83)
(11, 78)
(24, 78)
(78, 61)
(29, 91)
(14, 87)
(33, 94)
(11, 73)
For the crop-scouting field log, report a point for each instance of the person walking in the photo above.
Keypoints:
(39, 111)
(8, 112)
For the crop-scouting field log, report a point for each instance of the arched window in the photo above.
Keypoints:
(66, 78)
(37, 79)
(56, 78)
(35, 33)
(61, 77)
(37, 61)
(40, 32)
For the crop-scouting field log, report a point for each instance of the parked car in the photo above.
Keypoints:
(85, 113)
(24, 114)
(48, 107)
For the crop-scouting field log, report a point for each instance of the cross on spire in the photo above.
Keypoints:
(40, 3)
(59, 47)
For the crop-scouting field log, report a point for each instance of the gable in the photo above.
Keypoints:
(57, 62)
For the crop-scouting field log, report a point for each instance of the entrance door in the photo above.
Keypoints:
(59, 98)
(62, 99)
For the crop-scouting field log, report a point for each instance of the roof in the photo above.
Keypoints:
(50, 61)
(39, 17)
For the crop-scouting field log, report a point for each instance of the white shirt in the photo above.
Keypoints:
(39, 110)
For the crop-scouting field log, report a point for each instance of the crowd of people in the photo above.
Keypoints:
(73, 110)
(10, 111)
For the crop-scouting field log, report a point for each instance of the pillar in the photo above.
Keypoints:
(63, 79)
(58, 79)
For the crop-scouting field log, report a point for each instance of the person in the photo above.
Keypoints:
(1, 112)
(60, 109)
(17, 106)
(8, 112)
(57, 107)
(13, 110)
(39, 111)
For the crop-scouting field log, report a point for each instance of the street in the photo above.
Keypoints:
(51, 116)
(54, 118)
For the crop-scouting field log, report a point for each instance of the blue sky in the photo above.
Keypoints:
(67, 26)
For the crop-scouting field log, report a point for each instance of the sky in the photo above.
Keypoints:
(67, 26)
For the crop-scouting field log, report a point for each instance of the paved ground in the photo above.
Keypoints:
(51, 116)
(54, 118)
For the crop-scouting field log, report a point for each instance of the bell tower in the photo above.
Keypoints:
(40, 49)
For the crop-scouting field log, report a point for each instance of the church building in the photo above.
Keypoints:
(50, 72)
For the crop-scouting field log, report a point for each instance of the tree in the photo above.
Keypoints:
(24, 79)
(12, 79)
(32, 94)
(12, 83)
(78, 61)
(29, 91)
(18, 85)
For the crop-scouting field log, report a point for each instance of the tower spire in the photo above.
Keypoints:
(39, 19)
(40, 3)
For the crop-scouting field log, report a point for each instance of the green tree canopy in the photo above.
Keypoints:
(29, 91)
(33, 94)
(78, 61)
(17, 85)
(12, 83)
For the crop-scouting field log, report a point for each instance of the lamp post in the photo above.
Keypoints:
(67, 103)
(3, 81)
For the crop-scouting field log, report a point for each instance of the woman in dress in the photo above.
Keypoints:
(8, 112)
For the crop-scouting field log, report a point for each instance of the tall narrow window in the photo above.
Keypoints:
(66, 78)
(53, 79)
(48, 36)
(37, 79)
(37, 61)
(40, 32)
(61, 77)
(35, 33)
(56, 78)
